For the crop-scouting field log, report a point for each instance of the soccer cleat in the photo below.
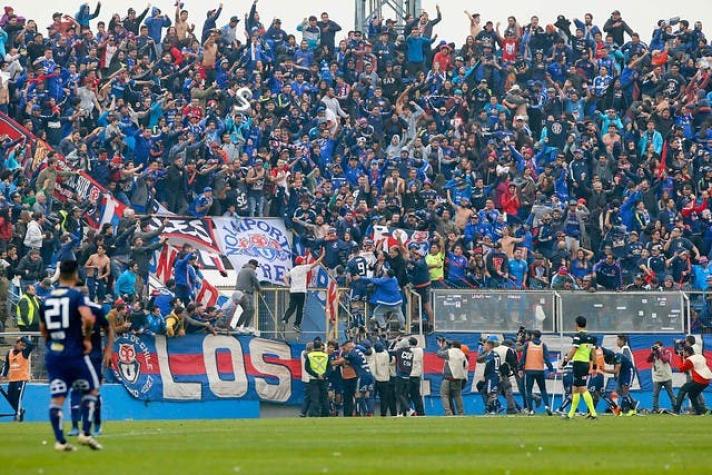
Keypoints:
(411, 412)
(64, 447)
(74, 432)
(531, 412)
(548, 411)
(632, 412)
(566, 417)
(591, 417)
(616, 410)
(89, 441)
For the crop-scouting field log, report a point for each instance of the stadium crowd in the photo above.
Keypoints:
(566, 155)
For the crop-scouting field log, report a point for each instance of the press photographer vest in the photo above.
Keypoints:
(19, 367)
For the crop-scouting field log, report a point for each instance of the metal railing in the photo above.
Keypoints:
(497, 311)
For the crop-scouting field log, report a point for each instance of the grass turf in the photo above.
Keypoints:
(463, 445)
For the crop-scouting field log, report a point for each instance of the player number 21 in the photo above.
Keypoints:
(57, 313)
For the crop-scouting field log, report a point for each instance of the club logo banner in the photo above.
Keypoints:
(206, 367)
(264, 239)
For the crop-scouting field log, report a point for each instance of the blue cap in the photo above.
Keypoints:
(207, 189)
(492, 339)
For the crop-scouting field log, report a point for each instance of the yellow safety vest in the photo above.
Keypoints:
(318, 361)
(33, 305)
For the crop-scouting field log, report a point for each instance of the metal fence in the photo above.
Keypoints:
(494, 311)
(625, 312)
(497, 311)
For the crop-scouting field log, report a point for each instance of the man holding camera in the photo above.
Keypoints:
(660, 358)
(454, 375)
(700, 377)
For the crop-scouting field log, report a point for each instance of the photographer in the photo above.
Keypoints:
(660, 357)
(700, 376)
(454, 375)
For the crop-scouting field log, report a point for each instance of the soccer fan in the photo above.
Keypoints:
(296, 278)
(580, 355)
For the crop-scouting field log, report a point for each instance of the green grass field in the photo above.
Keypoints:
(463, 445)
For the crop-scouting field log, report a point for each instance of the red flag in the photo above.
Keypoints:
(663, 159)
(332, 304)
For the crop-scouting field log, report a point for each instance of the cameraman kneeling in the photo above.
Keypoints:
(700, 376)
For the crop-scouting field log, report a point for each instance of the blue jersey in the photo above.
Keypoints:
(358, 265)
(492, 363)
(60, 314)
(357, 360)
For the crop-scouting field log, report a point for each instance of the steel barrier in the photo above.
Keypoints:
(493, 311)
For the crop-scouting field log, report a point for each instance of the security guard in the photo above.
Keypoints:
(27, 310)
(17, 371)
(317, 366)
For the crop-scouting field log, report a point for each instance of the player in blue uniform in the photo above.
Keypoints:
(66, 323)
(567, 380)
(357, 361)
(624, 371)
(100, 358)
(489, 387)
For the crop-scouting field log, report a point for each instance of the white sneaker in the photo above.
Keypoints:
(89, 441)
(66, 447)
(411, 412)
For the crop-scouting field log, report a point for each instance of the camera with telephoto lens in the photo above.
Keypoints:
(655, 348)
(679, 345)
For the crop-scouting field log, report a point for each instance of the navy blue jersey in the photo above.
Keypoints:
(357, 360)
(492, 364)
(101, 323)
(618, 359)
(404, 361)
(60, 314)
(357, 265)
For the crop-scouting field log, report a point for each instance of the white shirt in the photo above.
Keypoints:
(417, 370)
(298, 278)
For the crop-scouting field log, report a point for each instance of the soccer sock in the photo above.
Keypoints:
(55, 418)
(97, 413)
(574, 404)
(565, 403)
(88, 405)
(75, 404)
(589, 403)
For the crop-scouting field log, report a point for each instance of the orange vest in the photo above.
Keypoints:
(600, 362)
(19, 367)
(535, 357)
